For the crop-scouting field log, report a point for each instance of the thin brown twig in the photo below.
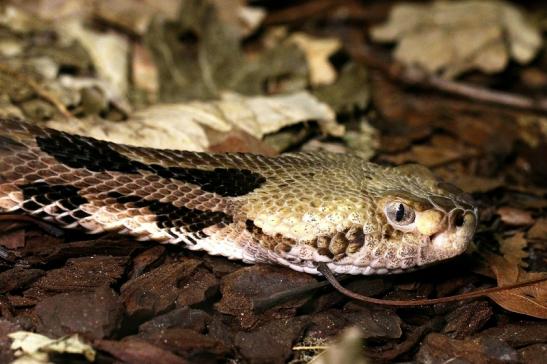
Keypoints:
(300, 11)
(327, 273)
(362, 52)
(48, 228)
(38, 88)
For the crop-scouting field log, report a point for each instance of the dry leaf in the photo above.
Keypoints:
(529, 300)
(34, 348)
(442, 150)
(318, 51)
(109, 52)
(69, 88)
(514, 216)
(473, 184)
(184, 125)
(513, 249)
(438, 348)
(454, 37)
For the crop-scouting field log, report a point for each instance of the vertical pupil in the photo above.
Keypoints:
(400, 212)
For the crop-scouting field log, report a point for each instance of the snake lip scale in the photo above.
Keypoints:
(297, 209)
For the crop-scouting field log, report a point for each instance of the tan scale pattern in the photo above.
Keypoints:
(310, 208)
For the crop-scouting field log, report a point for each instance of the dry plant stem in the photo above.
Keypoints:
(36, 87)
(48, 228)
(300, 11)
(327, 273)
(376, 59)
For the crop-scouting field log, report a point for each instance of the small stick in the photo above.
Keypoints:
(327, 273)
(364, 53)
(300, 11)
(48, 228)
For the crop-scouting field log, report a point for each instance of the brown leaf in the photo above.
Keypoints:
(529, 300)
(514, 216)
(441, 150)
(438, 348)
(454, 37)
(512, 249)
(472, 184)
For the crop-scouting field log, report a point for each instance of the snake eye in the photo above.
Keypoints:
(399, 214)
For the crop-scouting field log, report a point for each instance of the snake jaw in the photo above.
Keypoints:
(453, 240)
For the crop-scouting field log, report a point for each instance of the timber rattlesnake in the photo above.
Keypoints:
(295, 209)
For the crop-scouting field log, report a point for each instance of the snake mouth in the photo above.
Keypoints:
(451, 241)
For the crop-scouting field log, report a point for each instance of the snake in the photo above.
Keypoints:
(294, 209)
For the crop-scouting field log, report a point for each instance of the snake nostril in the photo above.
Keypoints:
(457, 218)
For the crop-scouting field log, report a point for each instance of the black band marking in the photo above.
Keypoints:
(80, 152)
(228, 182)
(95, 155)
(170, 216)
(40, 194)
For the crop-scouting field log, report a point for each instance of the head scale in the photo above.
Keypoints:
(419, 220)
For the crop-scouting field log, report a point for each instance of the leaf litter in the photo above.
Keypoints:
(454, 37)
(268, 78)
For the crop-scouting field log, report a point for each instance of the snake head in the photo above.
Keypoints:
(424, 219)
(383, 220)
(439, 227)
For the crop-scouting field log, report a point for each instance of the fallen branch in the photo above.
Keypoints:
(45, 226)
(300, 11)
(361, 52)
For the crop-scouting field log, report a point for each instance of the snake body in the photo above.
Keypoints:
(294, 209)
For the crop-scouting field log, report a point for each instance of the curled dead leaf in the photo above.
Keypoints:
(529, 300)
(35, 348)
(186, 126)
